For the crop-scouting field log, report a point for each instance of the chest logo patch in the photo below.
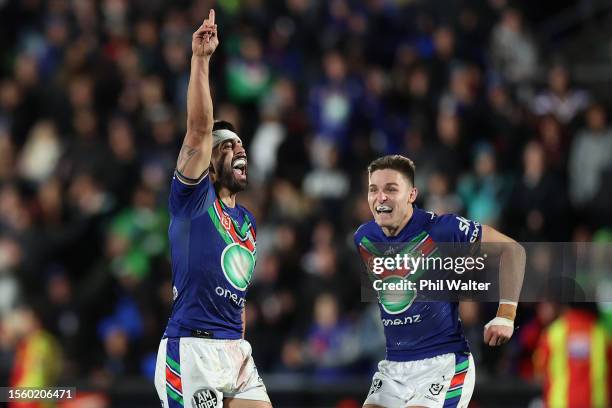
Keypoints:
(226, 222)
(238, 264)
(398, 300)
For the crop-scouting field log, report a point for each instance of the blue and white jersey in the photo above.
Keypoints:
(213, 257)
(419, 330)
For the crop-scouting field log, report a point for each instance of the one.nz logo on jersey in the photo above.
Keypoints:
(238, 264)
(205, 398)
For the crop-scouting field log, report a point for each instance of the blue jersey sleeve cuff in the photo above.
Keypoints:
(190, 181)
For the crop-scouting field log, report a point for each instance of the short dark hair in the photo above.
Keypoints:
(223, 124)
(394, 162)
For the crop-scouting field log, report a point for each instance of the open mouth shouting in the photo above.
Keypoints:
(239, 167)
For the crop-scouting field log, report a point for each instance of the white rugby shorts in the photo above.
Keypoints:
(192, 372)
(444, 381)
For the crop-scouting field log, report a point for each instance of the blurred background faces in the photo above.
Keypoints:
(503, 105)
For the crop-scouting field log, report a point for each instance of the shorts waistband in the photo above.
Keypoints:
(209, 336)
(212, 342)
(203, 334)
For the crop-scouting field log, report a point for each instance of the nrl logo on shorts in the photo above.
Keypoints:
(435, 389)
(205, 398)
(376, 384)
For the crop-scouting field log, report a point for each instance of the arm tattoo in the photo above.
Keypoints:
(185, 156)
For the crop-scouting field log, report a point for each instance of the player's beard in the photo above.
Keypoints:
(225, 178)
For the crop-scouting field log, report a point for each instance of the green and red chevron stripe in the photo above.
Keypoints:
(453, 395)
(228, 228)
(420, 245)
(174, 385)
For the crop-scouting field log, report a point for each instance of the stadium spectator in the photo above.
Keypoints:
(513, 51)
(440, 198)
(575, 349)
(328, 340)
(537, 200)
(92, 102)
(555, 142)
(332, 103)
(590, 157)
(560, 99)
(37, 359)
(484, 193)
(530, 336)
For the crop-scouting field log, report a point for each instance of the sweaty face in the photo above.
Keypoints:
(230, 165)
(390, 197)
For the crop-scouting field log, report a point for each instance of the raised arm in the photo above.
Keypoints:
(194, 157)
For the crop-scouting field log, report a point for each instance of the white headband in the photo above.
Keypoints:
(221, 135)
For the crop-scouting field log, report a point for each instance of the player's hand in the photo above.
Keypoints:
(205, 40)
(498, 331)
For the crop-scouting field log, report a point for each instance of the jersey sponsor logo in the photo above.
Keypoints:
(394, 297)
(464, 226)
(395, 301)
(400, 322)
(238, 264)
(474, 236)
(205, 398)
(376, 384)
(174, 293)
(227, 294)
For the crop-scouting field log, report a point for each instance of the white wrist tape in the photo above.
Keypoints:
(500, 321)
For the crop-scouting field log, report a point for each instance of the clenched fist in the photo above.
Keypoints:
(498, 331)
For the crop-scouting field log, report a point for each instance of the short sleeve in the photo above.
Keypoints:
(454, 228)
(190, 200)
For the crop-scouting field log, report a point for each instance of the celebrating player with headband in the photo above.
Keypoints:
(203, 359)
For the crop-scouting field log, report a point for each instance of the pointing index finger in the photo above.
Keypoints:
(211, 16)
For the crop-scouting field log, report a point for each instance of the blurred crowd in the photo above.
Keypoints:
(92, 115)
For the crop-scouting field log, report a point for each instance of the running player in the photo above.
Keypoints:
(203, 359)
(428, 363)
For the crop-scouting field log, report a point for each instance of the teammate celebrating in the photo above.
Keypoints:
(428, 363)
(203, 360)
